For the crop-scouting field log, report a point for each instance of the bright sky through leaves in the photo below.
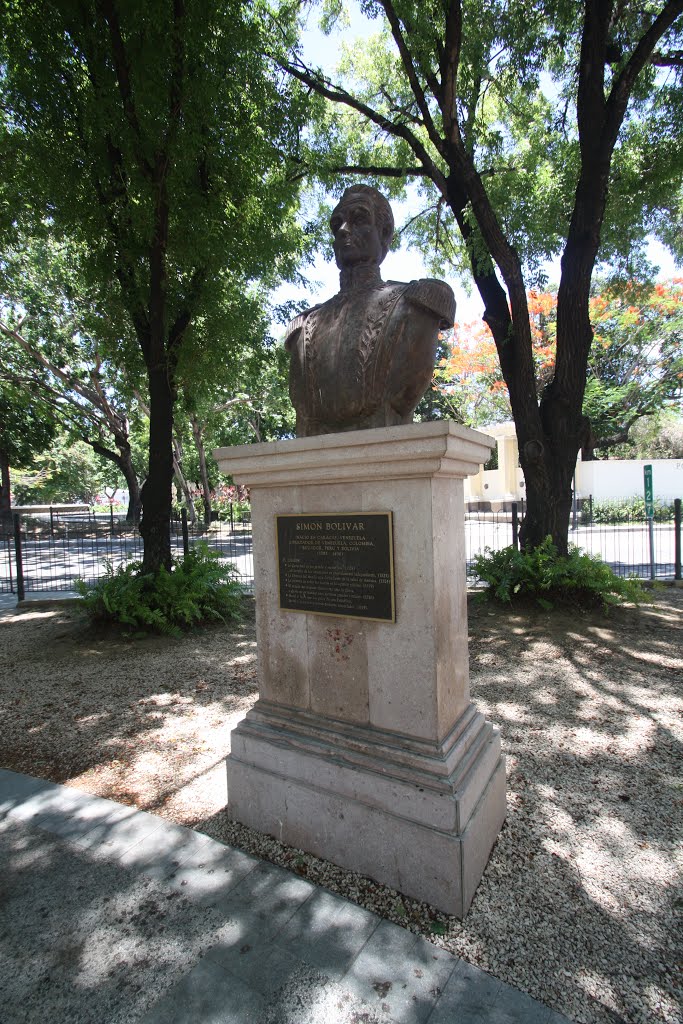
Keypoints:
(404, 264)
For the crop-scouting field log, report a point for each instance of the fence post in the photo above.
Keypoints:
(21, 595)
(232, 521)
(111, 521)
(677, 539)
(186, 539)
(515, 526)
(52, 523)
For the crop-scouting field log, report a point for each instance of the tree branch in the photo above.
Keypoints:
(623, 86)
(110, 15)
(672, 59)
(380, 171)
(450, 63)
(339, 95)
(182, 320)
(409, 68)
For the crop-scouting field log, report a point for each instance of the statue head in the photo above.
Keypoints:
(363, 225)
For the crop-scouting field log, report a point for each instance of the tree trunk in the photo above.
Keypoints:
(6, 523)
(181, 481)
(548, 496)
(124, 461)
(543, 434)
(134, 497)
(203, 472)
(5, 496)
(155, 527)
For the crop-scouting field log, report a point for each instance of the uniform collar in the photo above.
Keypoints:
(363, 275)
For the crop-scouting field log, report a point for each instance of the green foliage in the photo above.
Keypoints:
(659, 436)
(198, 589)
(27, 422)
(241, 510)
(635, 367)
(157, 135)
(541, 575)
(627, 511)
(68, 472)
(531, 130)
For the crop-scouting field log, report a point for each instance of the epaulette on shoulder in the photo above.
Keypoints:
(295, 325)
(436, 296)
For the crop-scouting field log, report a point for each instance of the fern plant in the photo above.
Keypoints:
(576, 579)
(198, 589)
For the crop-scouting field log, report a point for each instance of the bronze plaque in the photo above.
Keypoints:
(337, 564)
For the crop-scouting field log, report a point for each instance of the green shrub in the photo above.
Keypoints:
(628, 511)
(198, 589)
(542, 575)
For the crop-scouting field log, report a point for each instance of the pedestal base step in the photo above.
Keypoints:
(305, 809)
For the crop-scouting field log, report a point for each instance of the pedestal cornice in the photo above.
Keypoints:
(436, 449)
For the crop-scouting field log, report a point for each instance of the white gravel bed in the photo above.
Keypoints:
(581, 902)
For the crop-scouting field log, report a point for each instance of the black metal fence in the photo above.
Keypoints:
(618, 533)
(41, 553)
(47, 552)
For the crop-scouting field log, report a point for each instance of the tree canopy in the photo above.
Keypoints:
(533, 128)
(155, 134)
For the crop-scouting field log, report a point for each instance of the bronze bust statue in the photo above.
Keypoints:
(365, 357)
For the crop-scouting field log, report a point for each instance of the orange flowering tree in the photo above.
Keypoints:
(468, 377)
(635, 365)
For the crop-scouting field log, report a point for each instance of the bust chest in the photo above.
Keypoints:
(343, 352)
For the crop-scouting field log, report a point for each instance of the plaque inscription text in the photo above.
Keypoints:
(337, 564)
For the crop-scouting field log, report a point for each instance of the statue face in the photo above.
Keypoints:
(356, 235)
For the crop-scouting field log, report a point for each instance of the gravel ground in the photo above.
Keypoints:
(581, 902)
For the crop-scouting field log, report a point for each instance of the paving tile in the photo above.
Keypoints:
(112, 838)
(207, 872)
(328, 932)
(164, 846)
(469, 993)
(263, 966)
(165, 861)
(308, 997)
(268, 881)
(426, 952)
(208, 995)
(76, 816)
(16, 787)
(270, 896)
(256, 911)
(397, 976)
(24, 798)
(514, 1007)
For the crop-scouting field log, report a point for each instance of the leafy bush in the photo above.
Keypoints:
(542, 575)
(631, 510)
(241, 508)
(198, 589)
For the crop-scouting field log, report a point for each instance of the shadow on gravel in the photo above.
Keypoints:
(147, 716)
(589, 708)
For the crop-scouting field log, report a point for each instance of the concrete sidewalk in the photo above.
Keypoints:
(111, 915)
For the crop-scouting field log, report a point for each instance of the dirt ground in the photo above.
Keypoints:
(581, 899)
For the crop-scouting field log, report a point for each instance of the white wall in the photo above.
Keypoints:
(623, 478)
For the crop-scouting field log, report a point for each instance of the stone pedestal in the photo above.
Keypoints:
(364, 747)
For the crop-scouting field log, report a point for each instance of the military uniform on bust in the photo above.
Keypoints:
(365, 357)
